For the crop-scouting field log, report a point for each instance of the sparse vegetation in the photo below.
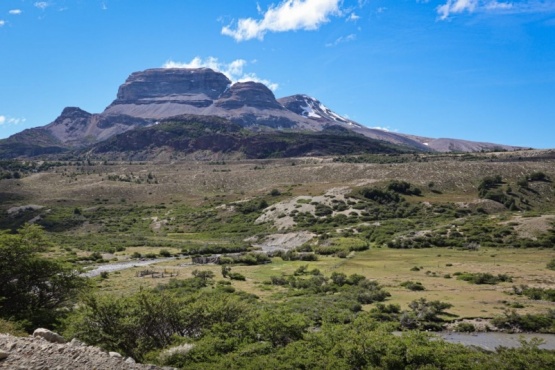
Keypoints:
(381, 255)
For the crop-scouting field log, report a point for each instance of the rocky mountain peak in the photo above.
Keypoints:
(309, 107)
(163, 82)
(250, 94)
(73, 113)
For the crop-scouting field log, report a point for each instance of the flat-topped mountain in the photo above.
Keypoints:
(154, 95)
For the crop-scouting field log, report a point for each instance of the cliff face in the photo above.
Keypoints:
(248, 94)
(169, 84)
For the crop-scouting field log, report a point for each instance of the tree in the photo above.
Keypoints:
(204, 275)
(34, 290)
(225, 271)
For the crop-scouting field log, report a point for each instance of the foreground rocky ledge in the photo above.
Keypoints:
(36, 353)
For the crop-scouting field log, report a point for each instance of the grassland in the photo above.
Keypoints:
(192, 207)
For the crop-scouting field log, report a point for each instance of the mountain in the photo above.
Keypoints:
(188, 134)
(153, 95)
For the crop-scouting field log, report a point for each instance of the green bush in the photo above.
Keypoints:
(464, 327)
(236, 276)
(414, 286)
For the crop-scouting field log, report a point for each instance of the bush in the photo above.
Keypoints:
(165, 253)
(538, 176)
(236, 276)
(414, 286)
(464, 327)
(484, 278)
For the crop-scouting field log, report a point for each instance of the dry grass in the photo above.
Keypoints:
(191, 182)
(391, 267)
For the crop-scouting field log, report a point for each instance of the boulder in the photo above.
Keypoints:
(48, 335)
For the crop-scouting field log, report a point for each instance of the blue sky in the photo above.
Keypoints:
(480, 70)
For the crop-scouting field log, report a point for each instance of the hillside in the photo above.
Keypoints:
(184, 135)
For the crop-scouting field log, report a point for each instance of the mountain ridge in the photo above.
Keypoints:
(149, 96)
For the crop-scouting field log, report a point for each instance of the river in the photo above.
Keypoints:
(491, 340)
(111, 267)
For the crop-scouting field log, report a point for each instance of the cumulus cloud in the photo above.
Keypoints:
(452, 7)
(41, 5)
(234, 70)
(11, 120)
(289, 15)
(2, 22)
(15, 12)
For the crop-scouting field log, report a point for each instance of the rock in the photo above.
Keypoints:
(249, 94)
(48, 335)
(130, 360)
(76, 343)
(114, 354)
(165, 82)
(3, 355)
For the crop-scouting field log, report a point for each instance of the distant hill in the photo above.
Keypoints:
(154, 95)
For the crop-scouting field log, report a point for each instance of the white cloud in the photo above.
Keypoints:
(456, 6)
(494, 7)
(2, 22)
(353, 17)
(11, 120)
(382, 128)
(41, 5)
(289, 15)
(234, 70)
(15, 12)
(342, 39)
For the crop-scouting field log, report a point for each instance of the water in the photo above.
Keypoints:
(122, 266)
(490, 341)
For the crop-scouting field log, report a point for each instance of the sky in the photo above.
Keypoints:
(481, 70)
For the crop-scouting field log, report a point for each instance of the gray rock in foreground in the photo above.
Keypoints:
(36, 353)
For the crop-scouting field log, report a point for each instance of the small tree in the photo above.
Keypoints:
(225, 271)
(34, 290)
(203, 275)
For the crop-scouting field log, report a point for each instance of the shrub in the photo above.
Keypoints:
(414, 286)
(484, 278)
(165, 253)
(236, 276)
(464, 327)
(538, 176)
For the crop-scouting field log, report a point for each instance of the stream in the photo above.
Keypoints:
(111, 267)
(490, 341)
